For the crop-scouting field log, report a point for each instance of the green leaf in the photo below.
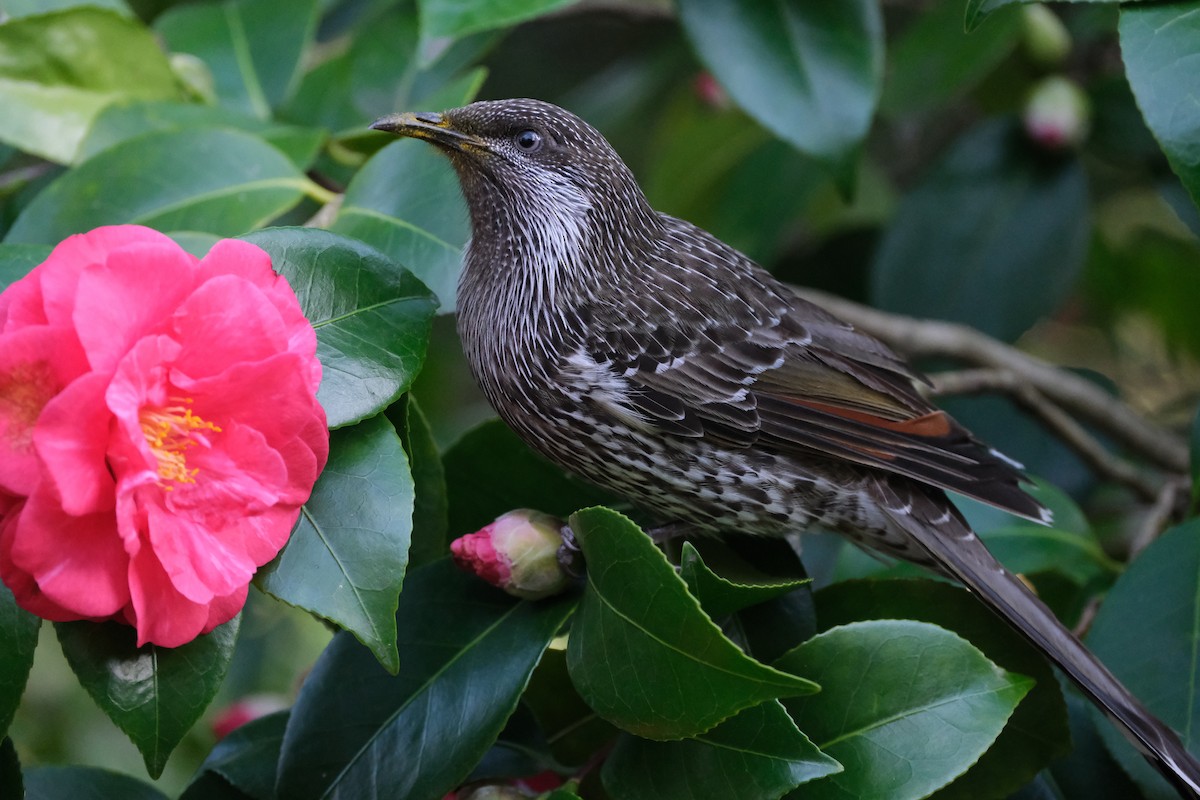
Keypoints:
(57, 71)
(11, 782)
(905, 707)
(757, 755)
(221, 181)
(573, 730)
(372, 317)
(245, 759)
(429, 541)
(18, 640)
(719, 595)
(347, 556)
(154, 694)
(1009, 253)
(17, 260)
(1088, 770)
(253, 47)
(121, 121)
(809, 72)
(468, 652)
(25, 8)
(1194, 443)
(85, 783)
(406, 202)
(643, 654)
(1158, 43)
(1037, 732)
(454, 18)
(934, 60)
(490, 471)
(1147, 633)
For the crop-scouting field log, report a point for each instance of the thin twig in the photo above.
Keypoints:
(1159, 515)
(1070, 392)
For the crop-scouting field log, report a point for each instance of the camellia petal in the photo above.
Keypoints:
(72, 439)
(79, 563)
(130, 295)
(36, 363)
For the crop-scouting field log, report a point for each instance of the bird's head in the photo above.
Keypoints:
(528, 160)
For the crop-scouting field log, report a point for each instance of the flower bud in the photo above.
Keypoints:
(1057, 114)
(246, 709)
(1046, 38)
(517, 553)
(497, 793)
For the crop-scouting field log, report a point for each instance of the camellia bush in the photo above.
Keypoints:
(239, 450)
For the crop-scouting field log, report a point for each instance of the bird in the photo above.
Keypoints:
(643, 354)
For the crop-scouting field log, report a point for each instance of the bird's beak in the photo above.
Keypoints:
(431, 127)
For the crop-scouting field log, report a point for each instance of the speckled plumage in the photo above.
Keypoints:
(645, 355)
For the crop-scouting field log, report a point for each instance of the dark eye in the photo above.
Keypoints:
(529, 140)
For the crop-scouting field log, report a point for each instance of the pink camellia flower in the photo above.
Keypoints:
(159, 430)
(518, 553)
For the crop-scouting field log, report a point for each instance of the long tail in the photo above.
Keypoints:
(958, 552)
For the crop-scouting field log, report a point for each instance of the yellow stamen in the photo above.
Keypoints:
(170, 432)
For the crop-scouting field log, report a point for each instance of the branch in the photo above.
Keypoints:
(1062, 388)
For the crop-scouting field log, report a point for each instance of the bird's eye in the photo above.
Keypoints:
(529, 140)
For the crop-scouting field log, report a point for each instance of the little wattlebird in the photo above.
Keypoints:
(643, 354)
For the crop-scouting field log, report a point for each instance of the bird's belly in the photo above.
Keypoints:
(702, 483)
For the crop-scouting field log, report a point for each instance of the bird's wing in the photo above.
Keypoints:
(795, 380)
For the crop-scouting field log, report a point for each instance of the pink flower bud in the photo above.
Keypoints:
(710, 92)
(246, 709)
(517, 553)
(1057, 114)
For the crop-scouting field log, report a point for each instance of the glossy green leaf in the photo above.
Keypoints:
(371, 316)
(11, 782)
(1088, 770)
(905, 707)
(490, 471)
(1194, 448)
(429, 541)
(934, 59)
(85, 783)
(809, 72)
(1009, 253)
(16, 261)
(1147, 632)
(347, 556)
(221, 181)
(25, 8)
(121, 121)
(406, 202)
(252, 47)
(245, 759)
(520, 750)
(58, 70)
(1036, 734)
(643, 654)
(18, 640)
(1158, 43)
(724, 594)
(154, 694)
(384, 72)
(757, 755)
(454, 18)
(573, 730)
(468, 650)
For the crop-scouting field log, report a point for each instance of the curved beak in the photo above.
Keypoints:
(430, 126)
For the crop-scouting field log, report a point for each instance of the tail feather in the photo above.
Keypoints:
(959, 553)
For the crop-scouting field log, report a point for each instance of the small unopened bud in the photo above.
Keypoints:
(1057, 114)
(1047, 40)
(246, 709)
(710, 92)
(518, 553)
